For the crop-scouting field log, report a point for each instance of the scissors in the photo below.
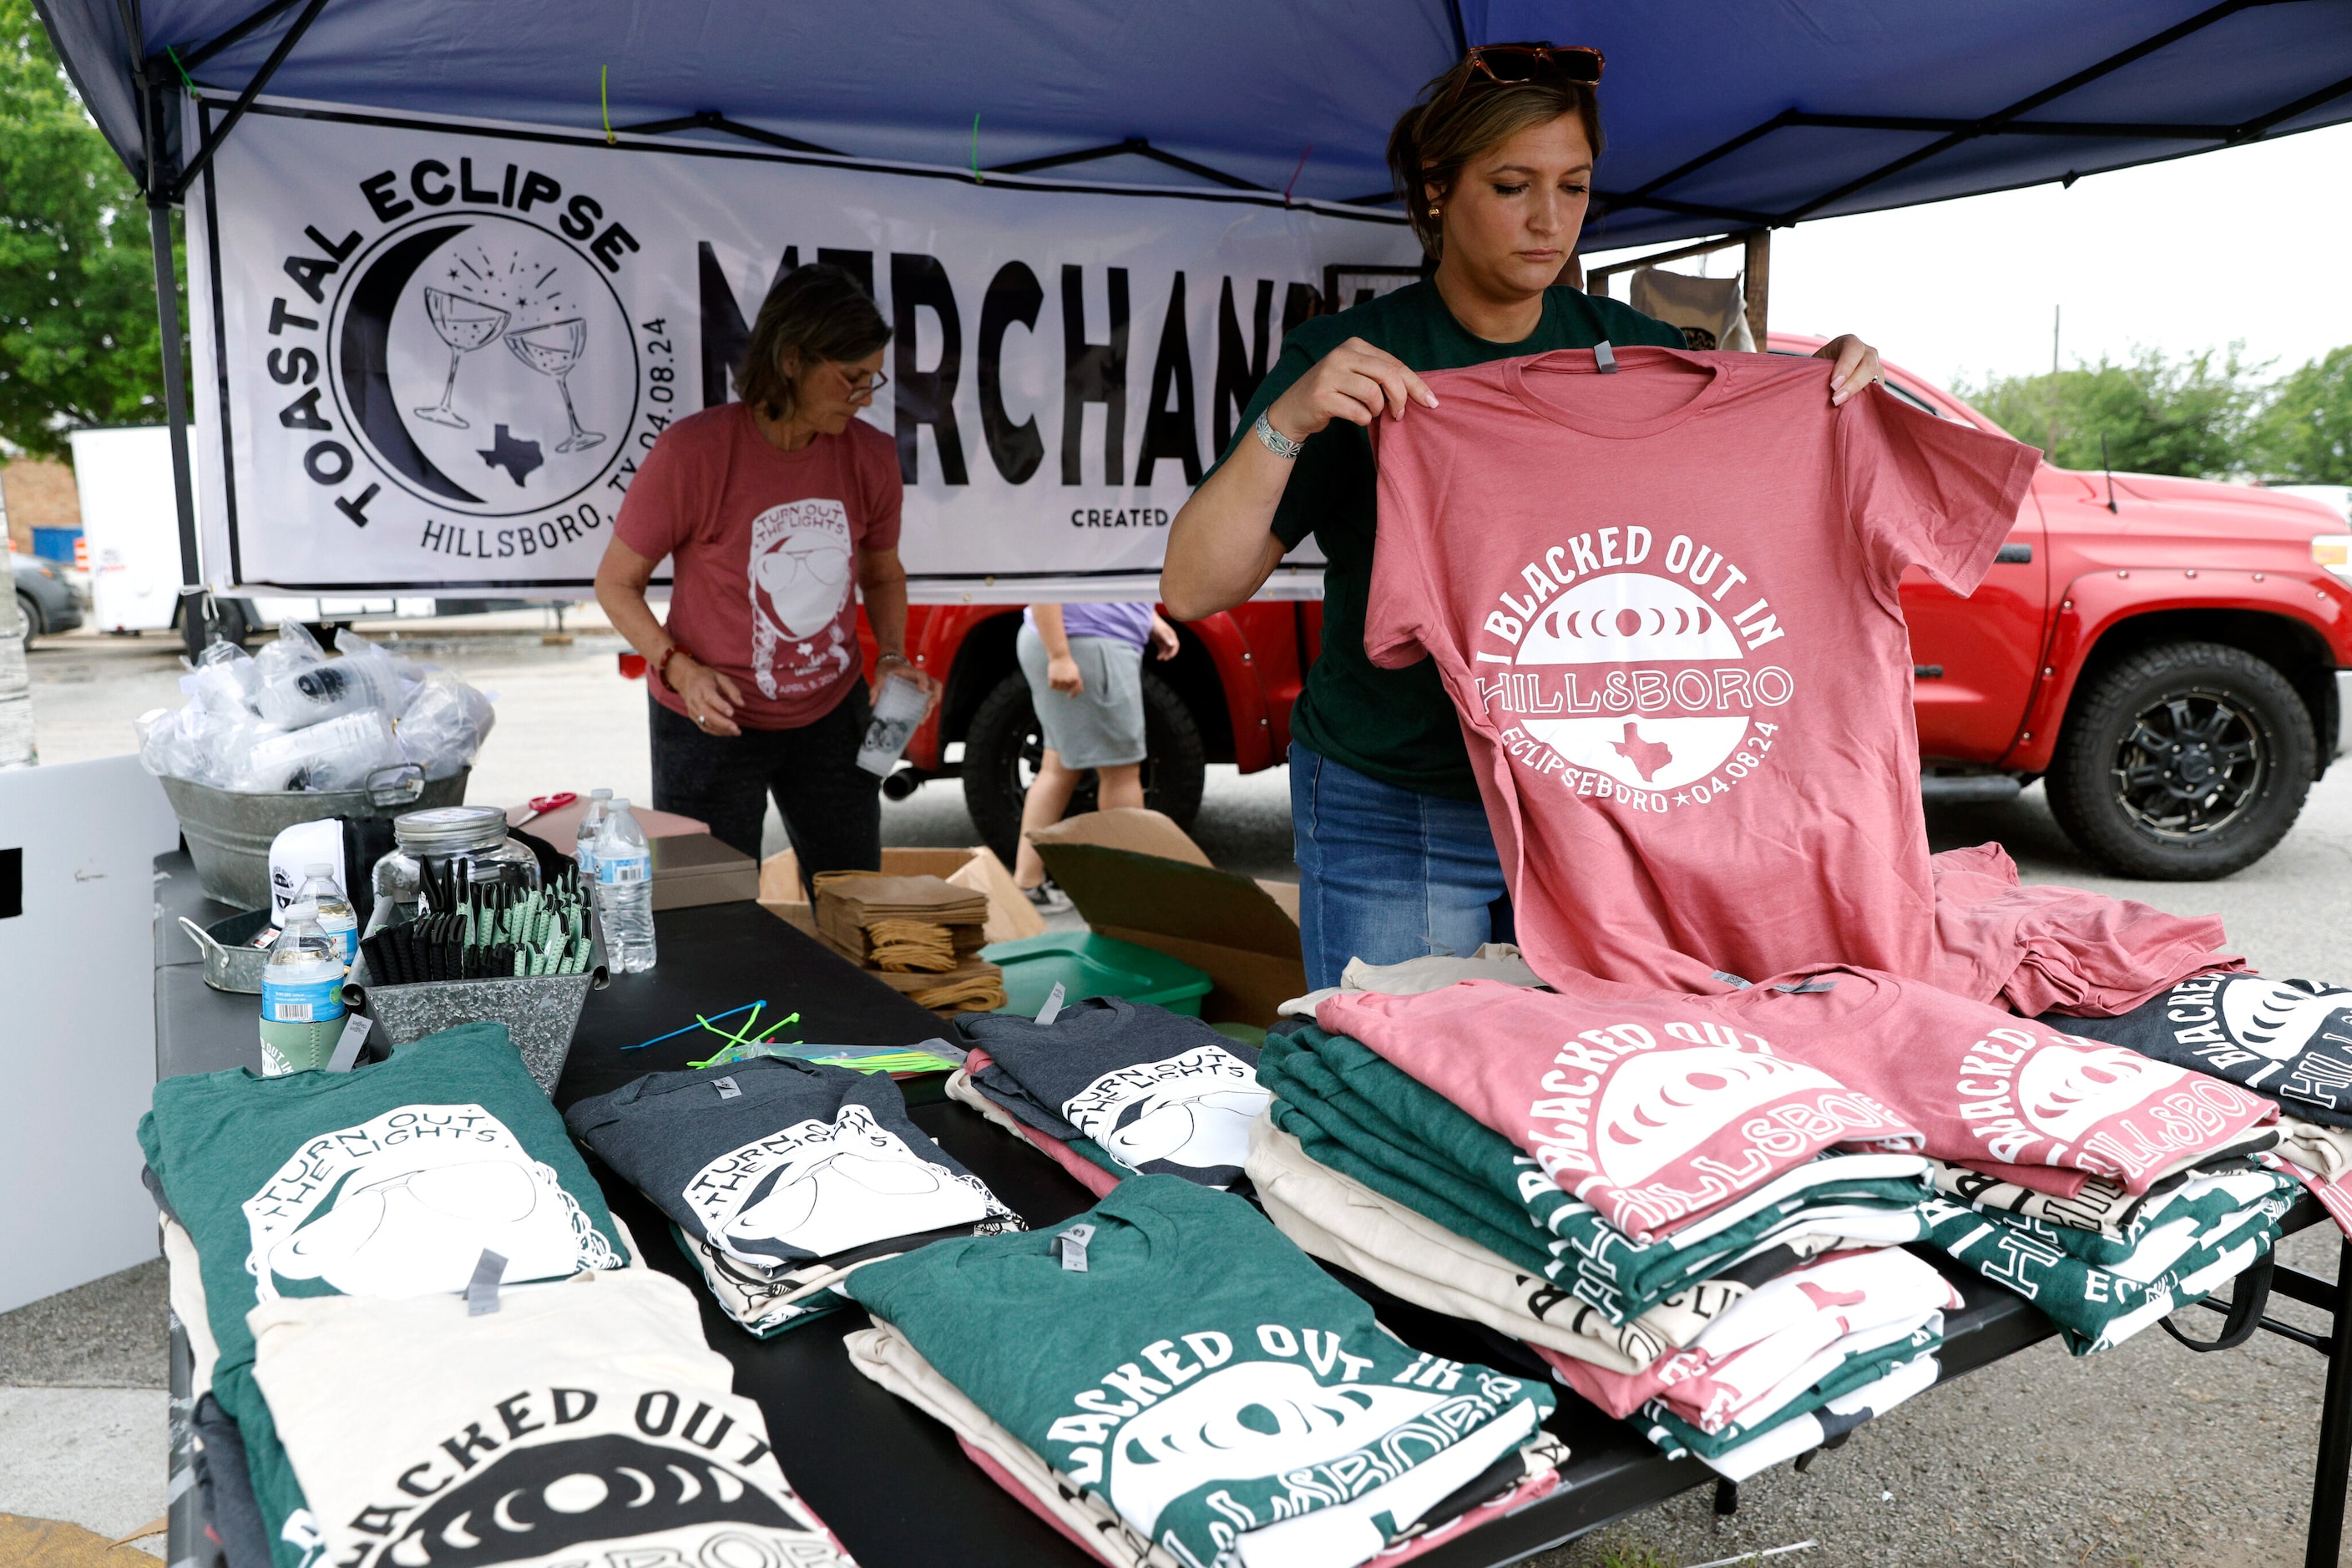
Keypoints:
(541, 805)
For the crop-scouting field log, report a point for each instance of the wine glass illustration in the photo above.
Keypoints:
(465, 325)
(552, 348)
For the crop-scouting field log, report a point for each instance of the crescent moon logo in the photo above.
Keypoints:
(538, 1502)
(486, 364)
(1652, 688)
(365, 361)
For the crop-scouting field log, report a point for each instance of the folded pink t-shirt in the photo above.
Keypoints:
(1680, 1108)
(1656, 1110)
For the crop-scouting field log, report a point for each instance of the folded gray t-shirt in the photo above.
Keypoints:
(2288, 1040)
(1157, 1091)
(775, 1163)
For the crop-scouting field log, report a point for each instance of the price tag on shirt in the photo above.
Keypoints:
(1071, 1244)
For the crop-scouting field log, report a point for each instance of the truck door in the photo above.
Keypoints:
(1974, 661)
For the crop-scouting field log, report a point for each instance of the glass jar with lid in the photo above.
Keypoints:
(441, 852)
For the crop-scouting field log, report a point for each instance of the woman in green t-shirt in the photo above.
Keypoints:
(1494, 167)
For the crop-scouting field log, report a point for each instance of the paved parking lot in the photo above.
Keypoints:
(2147, 1454)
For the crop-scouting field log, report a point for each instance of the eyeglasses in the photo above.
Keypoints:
(1507, 65)
(862, 385)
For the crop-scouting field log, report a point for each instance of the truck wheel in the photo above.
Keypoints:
(1003, 745)
(2183, 763)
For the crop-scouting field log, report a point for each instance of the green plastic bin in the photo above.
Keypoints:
(1085, 964)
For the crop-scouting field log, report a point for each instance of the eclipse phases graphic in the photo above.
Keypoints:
(530, 1504)
(2280, 1019)
(1251, 1418)
(1628, 619)
(2068, 1091)
(448, 414)
(1659, 1106)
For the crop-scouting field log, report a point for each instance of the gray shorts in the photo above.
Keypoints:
(1102, 726)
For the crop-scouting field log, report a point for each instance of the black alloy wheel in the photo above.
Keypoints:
(1003, 745)
(2182, 763)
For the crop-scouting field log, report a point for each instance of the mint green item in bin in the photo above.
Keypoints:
(1085, 964)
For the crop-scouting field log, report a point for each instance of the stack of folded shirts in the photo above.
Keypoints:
(1622, 1146)
(584, 1421)
(389, 1181)
(1781, 1352)
(1167, 1381)
(1368, 1168)
(781, 1176)
(919, 935)
(1111, 1088)
(2100, 1261)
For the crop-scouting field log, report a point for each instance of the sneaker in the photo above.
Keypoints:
(1047, 896)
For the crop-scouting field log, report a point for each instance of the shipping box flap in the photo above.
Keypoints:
(1150, 892)
(1129, 828)
(1136, 876)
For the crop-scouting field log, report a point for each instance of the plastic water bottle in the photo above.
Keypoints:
(302, 997)
(336, 916)
(591, 822)
(624, 891)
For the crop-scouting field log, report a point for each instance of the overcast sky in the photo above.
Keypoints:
(2255, 243)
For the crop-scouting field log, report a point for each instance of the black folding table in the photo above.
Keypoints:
(892, 1483)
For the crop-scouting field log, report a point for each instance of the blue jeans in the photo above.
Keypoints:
(1385, 874)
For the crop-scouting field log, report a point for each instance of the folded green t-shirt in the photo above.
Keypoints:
(1199, 1374)
(388, 1180)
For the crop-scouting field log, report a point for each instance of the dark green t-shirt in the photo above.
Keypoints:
(1396, 725)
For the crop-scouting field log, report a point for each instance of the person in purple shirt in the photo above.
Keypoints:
(1084, 664)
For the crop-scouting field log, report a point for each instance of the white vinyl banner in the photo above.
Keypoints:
(430, 355)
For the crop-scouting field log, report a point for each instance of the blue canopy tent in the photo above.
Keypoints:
(1740, 115)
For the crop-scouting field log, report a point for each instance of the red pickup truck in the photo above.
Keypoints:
(2173, 656)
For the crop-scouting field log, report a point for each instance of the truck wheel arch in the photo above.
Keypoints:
(2105, 618)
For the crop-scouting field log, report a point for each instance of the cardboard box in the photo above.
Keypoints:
(691, 869)
(1136, 876)
(1009, 912)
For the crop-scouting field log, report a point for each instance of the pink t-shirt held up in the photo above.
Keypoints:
(1665, 604)
(765, 545)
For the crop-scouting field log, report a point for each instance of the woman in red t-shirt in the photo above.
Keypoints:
(771, 511)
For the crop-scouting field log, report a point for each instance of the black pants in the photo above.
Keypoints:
(832, 807)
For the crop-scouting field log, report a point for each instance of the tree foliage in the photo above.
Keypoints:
(79, 341)
(2157, 414)
(2304, 435)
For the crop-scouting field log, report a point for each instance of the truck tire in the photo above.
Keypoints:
(1001, 746)
(2182, 763)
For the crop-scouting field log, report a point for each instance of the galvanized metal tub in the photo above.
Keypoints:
(229, 833)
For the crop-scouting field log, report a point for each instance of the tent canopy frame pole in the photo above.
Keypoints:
(166, 188)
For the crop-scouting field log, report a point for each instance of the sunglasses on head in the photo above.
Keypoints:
(1507, 65)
